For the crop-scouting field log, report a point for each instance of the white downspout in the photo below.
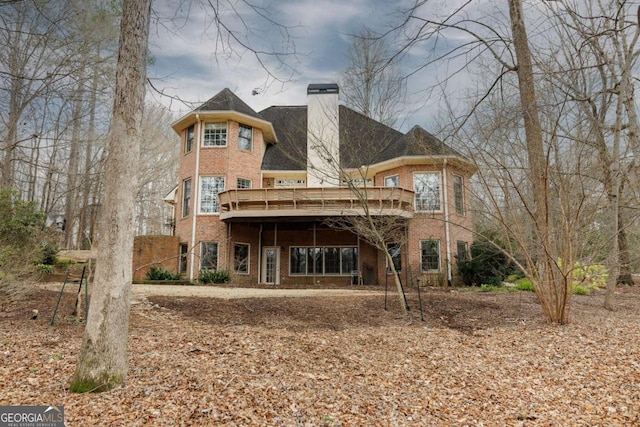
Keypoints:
(194, 197)
(446, 224)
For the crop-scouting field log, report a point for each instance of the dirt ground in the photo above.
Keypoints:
(477, 359)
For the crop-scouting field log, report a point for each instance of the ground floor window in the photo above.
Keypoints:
(326, 260)
(182, 264)
(463, 251)
(429, 255)
(241, 258)
(396, 255)
(208, 255)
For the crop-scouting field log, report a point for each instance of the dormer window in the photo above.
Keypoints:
(245, 137)
(215, 135)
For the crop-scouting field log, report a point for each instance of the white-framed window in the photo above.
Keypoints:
(189, 138)
(241, 258)
(245, 137)
(210, 186)
(215, 135)
(429, 255)
(208, 255)
(243, 183)
(463, 251)
(325, 260)
(186, 197)
(392, 181)
(182, 263)
(427, 188)
(290, 183)
(458, 194)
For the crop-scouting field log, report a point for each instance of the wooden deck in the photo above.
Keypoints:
(309, 202)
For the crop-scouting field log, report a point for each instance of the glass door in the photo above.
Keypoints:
(271, 265)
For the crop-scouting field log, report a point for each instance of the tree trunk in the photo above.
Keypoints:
(102, 362)
(71, 196)
(551, 286)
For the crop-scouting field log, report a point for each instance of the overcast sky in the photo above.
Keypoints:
(193, 63)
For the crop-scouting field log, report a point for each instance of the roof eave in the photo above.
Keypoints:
(224, 115)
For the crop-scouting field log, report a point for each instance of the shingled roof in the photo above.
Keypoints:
(363, 141)
(290, 124)
(226, 100)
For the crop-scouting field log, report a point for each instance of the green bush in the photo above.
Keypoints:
(45, 268)
(213, 276)
(158, 272)
(22, 229)
(49, 253)
(524, 284)
(592, 276)
(581, 290)
(488, 265)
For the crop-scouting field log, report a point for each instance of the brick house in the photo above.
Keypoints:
(256, 190)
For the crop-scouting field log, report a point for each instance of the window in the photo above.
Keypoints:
(188, 146)
(327, 260)
(290, 182)
(186, 197)
(243, 183)
(182, 264)
(458, 194)
(463, 252)
(349, 260)
(396, 255)
(298, 261)
(215, 135)
(429, 255)
(392, 181)
(209, 256)
(332, 261)
(427, 189)
(245, 137)
(314, 261)
(241, 258)
(210, 186)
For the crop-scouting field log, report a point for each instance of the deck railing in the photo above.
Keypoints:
(269, 202)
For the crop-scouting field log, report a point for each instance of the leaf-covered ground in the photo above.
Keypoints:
(478, 359)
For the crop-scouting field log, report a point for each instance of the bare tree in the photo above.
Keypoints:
(548, 257)
(157, 172)
(596, 72)
(102, 362)
(372, 84)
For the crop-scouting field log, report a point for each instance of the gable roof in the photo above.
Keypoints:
(225, 100)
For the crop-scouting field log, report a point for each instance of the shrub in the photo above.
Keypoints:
(488, 265)
(45, 268)
(214, 276)
(524, 284)
(158, 272)
(49, 253)
(581, 290)
(592, 276)
(21, 231)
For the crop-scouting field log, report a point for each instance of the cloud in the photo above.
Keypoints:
(193, 61)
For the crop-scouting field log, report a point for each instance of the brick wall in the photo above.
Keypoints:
(154, 250)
